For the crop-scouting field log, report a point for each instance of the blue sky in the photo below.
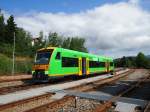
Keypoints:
(69, 6)
(16, 6)
(110, 27)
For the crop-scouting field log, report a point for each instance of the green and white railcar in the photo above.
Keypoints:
(53, 62)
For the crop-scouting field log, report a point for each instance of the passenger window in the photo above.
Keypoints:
(69, 62)
(58, 56)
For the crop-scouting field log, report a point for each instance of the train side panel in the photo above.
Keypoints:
(65, 62)
(56, 67)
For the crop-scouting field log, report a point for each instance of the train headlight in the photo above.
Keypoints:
(46, 72)
(33, 72)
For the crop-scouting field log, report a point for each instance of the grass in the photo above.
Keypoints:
(23, 65)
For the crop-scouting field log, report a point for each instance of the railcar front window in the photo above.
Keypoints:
(43, 57)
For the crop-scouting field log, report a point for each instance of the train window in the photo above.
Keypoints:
(96, 64)
(69, 62)
(58, 55)
(43, 57)
(102, 64)
(111, 64)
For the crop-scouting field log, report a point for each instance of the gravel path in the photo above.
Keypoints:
(139, 73)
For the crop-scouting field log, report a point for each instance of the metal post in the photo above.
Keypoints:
(45, 41)
(75, 102)
(13, 55)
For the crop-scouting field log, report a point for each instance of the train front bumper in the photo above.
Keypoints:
(40, 76)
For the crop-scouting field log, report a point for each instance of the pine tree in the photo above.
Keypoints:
(10, 29)
(54, 40)
(2, 28)
(66, 43)
(78, 44)
(141, 61)
(23, 42)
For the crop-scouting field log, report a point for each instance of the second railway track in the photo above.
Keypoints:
(104, 107)
(29, 84)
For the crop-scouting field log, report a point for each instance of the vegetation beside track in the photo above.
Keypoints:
(139, 61)
(21, 66)
(24, 46)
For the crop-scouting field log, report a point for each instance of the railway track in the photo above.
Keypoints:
(59, 103)
(27, 77)
(53, 106)
(14, 78)
(147, 108)
(49, 103)
(66, 100)
(29, 84)
(10, 89)
(108, 104)
(26, 102)
(102, 82)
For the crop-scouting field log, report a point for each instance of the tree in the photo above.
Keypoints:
(10, 29)
(23, 42)
(73, 43)
(78, 44)
(141, 60)
(66, 43)
(2, 28)
(40, 43)
(128, 63)
(54, 40)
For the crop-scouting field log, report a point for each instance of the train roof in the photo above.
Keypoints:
(73, 51)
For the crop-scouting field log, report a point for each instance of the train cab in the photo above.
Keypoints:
(41, 64)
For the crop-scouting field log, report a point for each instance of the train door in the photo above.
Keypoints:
(107, 66)
(80, 66)
(83, 66)
(87, 66)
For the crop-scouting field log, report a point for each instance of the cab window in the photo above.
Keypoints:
(43, 57)
(58, 56)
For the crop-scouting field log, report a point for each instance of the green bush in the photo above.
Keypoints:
(20, 66)
(6, 49)
(23, 66)
(5, 64)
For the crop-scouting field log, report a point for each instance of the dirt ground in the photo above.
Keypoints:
(139, 73)
(15, 77)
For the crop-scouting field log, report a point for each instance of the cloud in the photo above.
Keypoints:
(111, 29)
(5, 14)
(134, 2)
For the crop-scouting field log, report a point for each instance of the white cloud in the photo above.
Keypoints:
(134, 2)
(111, 29)
(5, 14)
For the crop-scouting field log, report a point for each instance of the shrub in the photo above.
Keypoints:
(5, 64)
(21, 66)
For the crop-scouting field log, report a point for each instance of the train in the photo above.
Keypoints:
(54, 62)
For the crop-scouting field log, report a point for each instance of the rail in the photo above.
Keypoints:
(108, 104)
(63, 101)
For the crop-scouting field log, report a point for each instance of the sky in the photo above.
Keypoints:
(111, 27)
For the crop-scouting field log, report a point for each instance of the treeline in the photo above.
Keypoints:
(8, 30)
(140, 61)
(24, 39)
(25, 49)
(55, 40)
